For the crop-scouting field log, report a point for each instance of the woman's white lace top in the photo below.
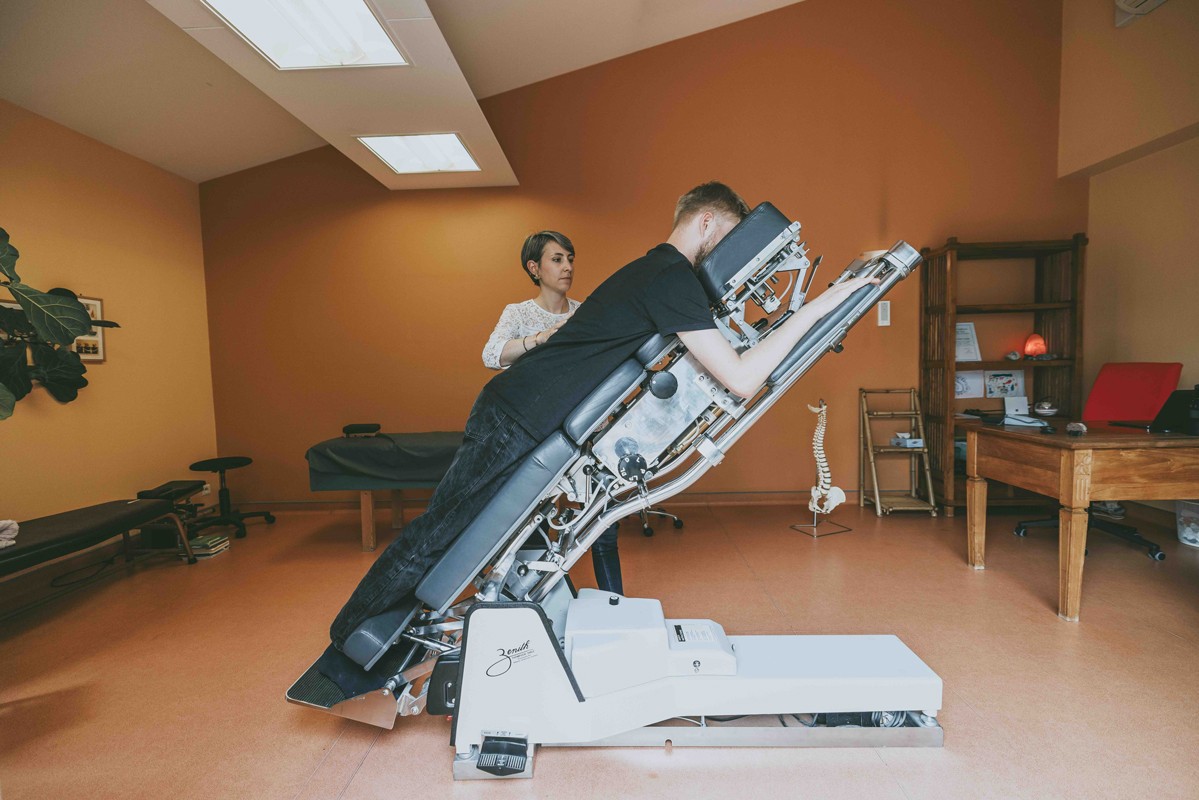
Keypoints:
(517, 321)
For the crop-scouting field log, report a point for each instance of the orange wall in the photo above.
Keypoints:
(333, 300)
(1142, 282)
(1126, 91)
(107, 225)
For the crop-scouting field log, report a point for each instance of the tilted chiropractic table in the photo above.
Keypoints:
(1107, 463)
(496, 636)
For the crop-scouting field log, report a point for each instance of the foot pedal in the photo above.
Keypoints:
(503, 756)
(313, 688)
(337, 685)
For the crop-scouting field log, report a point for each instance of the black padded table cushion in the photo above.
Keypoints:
(737, 249)
(172, 490)
(486, 532)
(57, 535)
(383, 461)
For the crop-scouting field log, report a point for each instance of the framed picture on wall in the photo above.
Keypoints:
(91, 347)
(967, 343)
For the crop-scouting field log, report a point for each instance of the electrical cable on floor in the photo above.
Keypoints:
(57, 581)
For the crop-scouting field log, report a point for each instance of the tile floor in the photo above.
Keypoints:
(166, 681)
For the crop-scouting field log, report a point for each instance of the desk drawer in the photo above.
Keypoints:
(1156, 473)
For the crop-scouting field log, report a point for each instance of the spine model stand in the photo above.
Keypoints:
(825, 496)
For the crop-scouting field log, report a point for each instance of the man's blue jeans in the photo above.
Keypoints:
(493, 446)
(606, 560)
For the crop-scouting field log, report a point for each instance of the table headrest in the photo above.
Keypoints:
(738, 248)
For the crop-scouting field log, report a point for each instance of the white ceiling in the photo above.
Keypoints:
(506, 44)
(430, 95)
(121, 73)
(205, 105)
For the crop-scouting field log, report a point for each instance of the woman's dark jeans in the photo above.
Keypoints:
(606, 560)
(493, 445)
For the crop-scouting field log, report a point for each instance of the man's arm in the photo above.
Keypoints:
(744, 373)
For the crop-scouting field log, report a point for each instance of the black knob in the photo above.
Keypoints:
(663, 385)
(614, 600)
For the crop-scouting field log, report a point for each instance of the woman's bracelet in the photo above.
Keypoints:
(524, 342)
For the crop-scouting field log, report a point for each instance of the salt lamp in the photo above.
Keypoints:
(1034, 346)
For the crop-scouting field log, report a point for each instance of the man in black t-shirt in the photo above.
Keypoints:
(657, 293)
(517, 410)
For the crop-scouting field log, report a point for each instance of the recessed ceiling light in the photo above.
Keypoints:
(310, 34)
(432, 152)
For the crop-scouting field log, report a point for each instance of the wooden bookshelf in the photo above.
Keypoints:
(1056, 313)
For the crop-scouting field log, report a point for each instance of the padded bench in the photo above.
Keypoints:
(388, 461)
(45, 538)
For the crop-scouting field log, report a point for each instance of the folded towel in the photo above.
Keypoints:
(7, 543)
(8, 529)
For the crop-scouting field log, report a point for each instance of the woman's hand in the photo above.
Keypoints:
(545, 335)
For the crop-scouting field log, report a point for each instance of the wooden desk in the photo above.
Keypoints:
(1107, 463)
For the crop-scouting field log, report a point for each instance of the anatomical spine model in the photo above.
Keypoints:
(825, 496)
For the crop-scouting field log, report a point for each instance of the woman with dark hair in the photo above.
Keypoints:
(548, 259)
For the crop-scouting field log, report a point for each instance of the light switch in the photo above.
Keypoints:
(884, 313)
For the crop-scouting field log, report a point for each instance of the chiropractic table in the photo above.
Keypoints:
(498, 638)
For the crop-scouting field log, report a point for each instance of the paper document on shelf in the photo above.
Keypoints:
(967, 343)
(968, 383)
(1005, 383)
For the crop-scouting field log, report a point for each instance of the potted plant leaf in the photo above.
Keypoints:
(36, 337)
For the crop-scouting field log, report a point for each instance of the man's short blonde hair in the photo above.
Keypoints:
(712, 196)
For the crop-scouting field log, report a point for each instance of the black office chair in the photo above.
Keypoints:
(1125, 532)
(646, 529)
(225, 513)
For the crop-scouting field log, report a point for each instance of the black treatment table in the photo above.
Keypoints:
(46, 538)
(388, 461)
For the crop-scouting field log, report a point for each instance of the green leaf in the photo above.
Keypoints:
(14, 369)
(8, 261)
(56, 318)
(13, 321)
(7, 402)
(59, 370)
(8, 257)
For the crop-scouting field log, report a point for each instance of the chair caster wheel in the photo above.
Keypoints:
(270, 519)
(1020, 530)
(678, 524)
(1157, 555)
(192, 560)
(241, 533)
(647, 531)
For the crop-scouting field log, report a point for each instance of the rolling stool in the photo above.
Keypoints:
(646, 530)
(226, 515)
